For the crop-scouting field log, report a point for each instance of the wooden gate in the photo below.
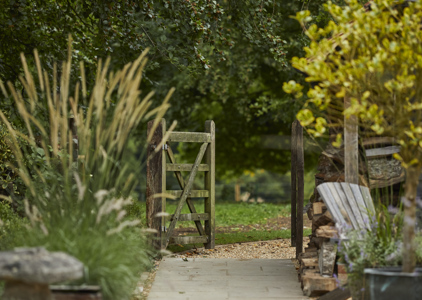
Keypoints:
(157, 167)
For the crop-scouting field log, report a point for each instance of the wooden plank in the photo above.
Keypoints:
(192, 217)
(183, 240)
(192, 193)
(318, 207)
(361, 205)
(300, 190)
(366, 195)
(189, 137)
(209, 182)
(378, 141)
(179, 178)
(342, 205)
(351, 153)
(317, 285)
(347, 204)
(293, 176)
(186, 167)
(310, 262)
(354, 204)
(154, 183)
(186, 191)
(326, 232)
(340, 293)
(325, 193)
(381, 152)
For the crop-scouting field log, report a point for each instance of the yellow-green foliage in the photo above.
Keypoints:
(374, 58)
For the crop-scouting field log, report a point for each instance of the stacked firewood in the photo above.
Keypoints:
(317, 264)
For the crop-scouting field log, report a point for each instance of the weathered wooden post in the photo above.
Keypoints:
(210, 186)
(300, 190)
(351, 150)
(156, 182)
(297, 197)
(293, 175)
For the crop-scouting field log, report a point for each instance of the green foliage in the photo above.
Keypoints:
(379, 247)
(372, 58)
(11, 226)
(226, 58)
(77, 196)
(113, 261)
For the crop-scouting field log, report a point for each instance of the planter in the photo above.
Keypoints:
(69, 292)
(391, 283)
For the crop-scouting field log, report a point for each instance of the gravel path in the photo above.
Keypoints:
(276, 249)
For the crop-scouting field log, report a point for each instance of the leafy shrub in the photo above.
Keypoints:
(11, 225)
(10, 182)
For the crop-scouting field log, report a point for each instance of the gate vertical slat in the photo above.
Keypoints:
(155, 183)
(210, 186)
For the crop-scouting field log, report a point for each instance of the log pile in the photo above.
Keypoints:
(377, 169)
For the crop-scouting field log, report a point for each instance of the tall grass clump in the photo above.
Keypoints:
(78, 185)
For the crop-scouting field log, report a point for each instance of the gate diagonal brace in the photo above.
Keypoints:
(186, 191)
(179, 177)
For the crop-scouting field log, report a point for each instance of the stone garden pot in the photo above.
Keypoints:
(69, 292)
(391, 283)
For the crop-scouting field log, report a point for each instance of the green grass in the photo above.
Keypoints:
(227, 214)
(241, 237)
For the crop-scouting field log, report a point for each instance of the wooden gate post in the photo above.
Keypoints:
(351, 151)
(156, 183)
(300, 190)
(293, 175)
(297, 184)
(210, 186)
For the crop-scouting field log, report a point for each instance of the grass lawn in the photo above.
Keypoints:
(232, 214)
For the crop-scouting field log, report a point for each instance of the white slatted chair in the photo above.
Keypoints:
(348, 204)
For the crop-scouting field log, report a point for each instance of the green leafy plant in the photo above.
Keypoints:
(10, 184)
(78, 185)
(379, 247)
(373, 60)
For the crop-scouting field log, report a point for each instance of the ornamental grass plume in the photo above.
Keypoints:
(78, 184)
(371, 58)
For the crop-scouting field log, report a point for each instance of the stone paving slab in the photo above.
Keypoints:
(226, 279)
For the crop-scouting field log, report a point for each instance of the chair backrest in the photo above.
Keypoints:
(348, 203)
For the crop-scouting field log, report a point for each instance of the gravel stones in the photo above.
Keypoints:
(275, 249)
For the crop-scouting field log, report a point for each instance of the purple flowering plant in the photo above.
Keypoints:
(378, 247)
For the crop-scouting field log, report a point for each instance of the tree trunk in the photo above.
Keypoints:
(409, 201)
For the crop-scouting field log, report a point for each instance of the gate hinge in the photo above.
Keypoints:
(165, 147)
(163, 229)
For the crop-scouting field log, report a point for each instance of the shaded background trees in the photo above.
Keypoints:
(227, 60)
